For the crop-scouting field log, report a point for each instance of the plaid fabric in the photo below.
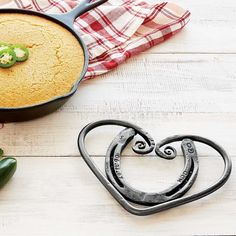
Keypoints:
(117, 30)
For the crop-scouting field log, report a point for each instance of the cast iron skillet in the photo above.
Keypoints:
(65, 20)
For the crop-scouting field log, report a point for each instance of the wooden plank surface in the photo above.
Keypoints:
(165, 94)
(212, 29)
(60, 196)
(185, 85)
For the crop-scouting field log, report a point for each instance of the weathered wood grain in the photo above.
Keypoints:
(185, 85)
(165, 94)
(212, 29)
(60, 196)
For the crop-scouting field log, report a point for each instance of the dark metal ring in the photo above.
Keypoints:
(158, 201)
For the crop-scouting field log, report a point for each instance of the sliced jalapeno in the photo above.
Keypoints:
(4, 45)
(7, 58)
(22, 53)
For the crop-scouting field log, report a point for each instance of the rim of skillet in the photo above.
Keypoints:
(81, 42)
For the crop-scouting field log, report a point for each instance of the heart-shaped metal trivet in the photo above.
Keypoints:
(143, 203)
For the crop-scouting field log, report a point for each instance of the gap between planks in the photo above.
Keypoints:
(150, 52)
(103, 156)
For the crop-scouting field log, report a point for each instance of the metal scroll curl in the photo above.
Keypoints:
(143, 203)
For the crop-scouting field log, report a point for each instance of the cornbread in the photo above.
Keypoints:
(55, 60)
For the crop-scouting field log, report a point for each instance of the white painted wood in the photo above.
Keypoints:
(166, 94)
(60, 196)
(211, 29)
(185, 85)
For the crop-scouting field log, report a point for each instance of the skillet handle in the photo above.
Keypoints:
(69, 17)
(83, 7)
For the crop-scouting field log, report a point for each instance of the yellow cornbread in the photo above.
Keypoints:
(55, 61)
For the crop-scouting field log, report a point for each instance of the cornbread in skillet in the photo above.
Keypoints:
(55, 60)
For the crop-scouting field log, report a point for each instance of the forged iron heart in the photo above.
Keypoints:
(150, 203)
(7, 168)
(179, 188)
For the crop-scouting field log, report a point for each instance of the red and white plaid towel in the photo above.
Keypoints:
(117, 30)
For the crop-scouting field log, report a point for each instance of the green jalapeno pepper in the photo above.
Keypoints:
(7, 58)
(7, 168)
(22, 53)
(4, 45)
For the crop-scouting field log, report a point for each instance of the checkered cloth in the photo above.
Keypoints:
(118, 29)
